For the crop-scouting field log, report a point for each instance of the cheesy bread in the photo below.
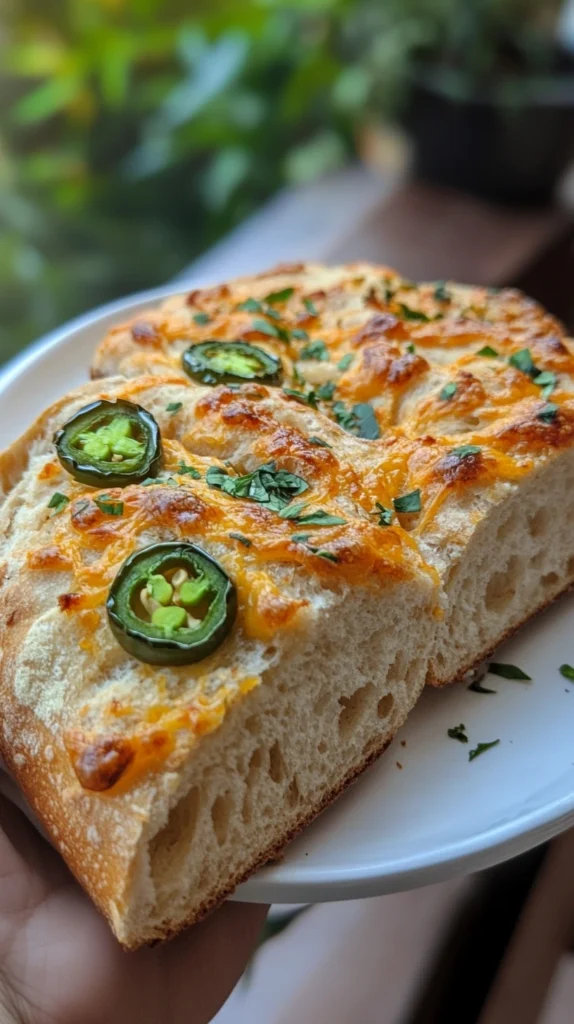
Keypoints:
(207, 632)
(460, 400)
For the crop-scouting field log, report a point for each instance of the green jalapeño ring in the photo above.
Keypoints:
(231, 362)
(171, 604)
(110, 444)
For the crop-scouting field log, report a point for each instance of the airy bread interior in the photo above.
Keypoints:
(280, 756)
(518, 559)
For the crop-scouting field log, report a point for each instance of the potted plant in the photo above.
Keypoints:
(484, 89)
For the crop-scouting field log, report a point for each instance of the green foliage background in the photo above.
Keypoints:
(134, 133)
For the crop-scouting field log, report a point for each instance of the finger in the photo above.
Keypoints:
(206, 962)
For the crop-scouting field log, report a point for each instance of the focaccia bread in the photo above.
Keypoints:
(464, 399)
(163, 783)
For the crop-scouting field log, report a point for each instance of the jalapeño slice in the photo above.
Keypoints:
(227, 362)
(110, 444)
(171, 604)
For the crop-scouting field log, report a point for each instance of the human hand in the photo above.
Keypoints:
(60, 964)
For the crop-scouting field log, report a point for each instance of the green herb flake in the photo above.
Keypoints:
(547, 381)
(411, 348)
(326, 391)
(316, 350)
(319, 441)
(458, 732)
(293, 511)
(477, 687)
(201, 319)
(308, 399)
(58, 501)
(310, 307)
(448, 392)
(548, 413)
(250, 306)
(319, 518)
(567, 671)
(271, 330)
(282, 296)
(108, 506)
(408, 503)
(480, 749)
(191, 471)
(345, 362)
(300, 538)
(323, 554)
(174, 407)
(299, 334)
(464, 451)
(497, 668)
(440, 293)
(367, 423)
(385, 514)
(242, 540)
(413, 314)
(269, 486)
(488, 352)
(522, 361)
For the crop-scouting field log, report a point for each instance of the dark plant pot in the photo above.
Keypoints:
(508, 149)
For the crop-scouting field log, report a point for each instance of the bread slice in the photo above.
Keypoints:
(470, 391)
(227, 758)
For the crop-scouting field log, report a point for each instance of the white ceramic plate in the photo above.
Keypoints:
(439, 815)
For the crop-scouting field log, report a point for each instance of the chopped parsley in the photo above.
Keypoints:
(267, 485)
(522, 361)
(345, 362)
(359, 420)
(318, 518)
(408, 503)
(385, 514)
(323, 554)
(567, 671)
(497, 668)
(310, 307)
(487, 351)
(477, 687)
(413, 314)
(299, 334)
(271, 330)
(458, 732)
(242, 540)
(308, 399)
(108, 506)
(292, 511)
(440, 292)
(547, 381)
(548, 413)
(300, 538)
(464, 451)
(411, 348)
(201, 318)
(480, 749)
(316, 350)
(184, 470)
(318, 441)
(326, 391)
(448, 392)
(281, 296)
(251, 306)
(173, 407)
(58, 501)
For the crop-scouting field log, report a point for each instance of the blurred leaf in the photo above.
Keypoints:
(46, 100)
(224, 175)
(325, 152)
(213, 70)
